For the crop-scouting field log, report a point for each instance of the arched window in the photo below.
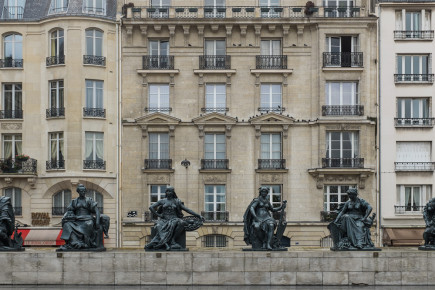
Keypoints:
(57, 54)
(15, 194)
(61, 201)
(12, 50)
(96, 196)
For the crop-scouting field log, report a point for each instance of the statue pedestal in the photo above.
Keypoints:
(427, 248)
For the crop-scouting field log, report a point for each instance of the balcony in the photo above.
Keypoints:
(277, 109)
(94, 60)
(215, 109)
(58, 210)
(414, 166)
(13, 12)
(342, 59)
(94, 112)
(55, 112)
(158, 164)
(94, 10)
(151, 62)
(413, 78)
(214, 12)
(158, 12)
(342, 162)
(214, 62)
(15, 166)
(55, 60)
(11, 63)
(414, 122)
(11, 114)
(413, 34)
(271, 61)
(402, 209)
(161, 109)
(215, 216)
(94, 164)
(345, 110)
(214, 163)
(55, 164)
(271, 163)
(342, 12)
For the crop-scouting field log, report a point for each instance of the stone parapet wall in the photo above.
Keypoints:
(295, 267)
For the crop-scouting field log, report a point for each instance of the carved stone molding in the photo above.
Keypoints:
(171, 131)
(186, 29)
(143, 31)
(158, 179)
(319, 181)
(12, 126)
(157, 27)
(8, 180)
(362, 181)
(257, 131)
(200, 30)
(144, 131)
(214, 178)
(272, 27)
(172, 34)
(271, 178)
(129, 30)
(214, 27)
(32, 182)
(285, 131)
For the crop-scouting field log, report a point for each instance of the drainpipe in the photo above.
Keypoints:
(119, 135)
(379, 149)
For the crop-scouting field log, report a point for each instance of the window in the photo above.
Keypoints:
(271, 55)
(57, 55)
(56, 99)
(94, 99)
(271, 98)
(275, 194)
(269, 4)
(61, 201)
(159, 55)
(338, 8)
(412, 198)
(271, 151)
(334, 195)
(413, 68)
(94, 151)
(94, 42)
(15, 194)
(214, 9)
(159, 98)
(12, 51)
(13, 9)
(413, 24)
(97, 197)
(58, 6)
(342, 51)
(414, 156)
(157, 192)
(56, 158)
(214, 241)
(214, 54)
(215, 47)
(214, 204)
(12, 101)
(160, 3)
(214, 152)
(94, 7)
(342, 149)
(12, 146)
(158, 152)
(341, 99)
(161, 8)
(412, 111)
(215, 97)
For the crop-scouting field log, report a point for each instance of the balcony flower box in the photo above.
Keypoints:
(341, 9)
(355, 9)
(250, 9)
(297, 9)
(221, 10)
(237, 9)
(193, 10)
(151, 10)
(22, 157)
(314, 9)
(329, 9)
(180, 10)
(265, 9)
(163, 10)
(277, 9)
(136, 9)
(208, 10)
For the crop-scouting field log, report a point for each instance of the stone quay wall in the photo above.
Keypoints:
(295, 267)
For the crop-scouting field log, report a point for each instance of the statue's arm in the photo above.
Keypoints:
(281, 207)
(341, 212)
(154, 206)
(426, 217)
(368, 211)
(252, 210)
(97, 216)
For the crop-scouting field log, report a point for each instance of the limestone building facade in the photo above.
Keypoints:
(58, 118)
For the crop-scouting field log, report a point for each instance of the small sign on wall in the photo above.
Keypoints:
(40, 219)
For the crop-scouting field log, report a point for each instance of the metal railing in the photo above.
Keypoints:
(414, 166)
(11, 114)
(158, 12)
(94, 10)
(13, 12)
(161, 109)
(210, 216)
(215, 11)
(271, 61)
(58, 210)
(414, 122)
(158, 163)
(214, 62)
(214, 241)
(342, 59)
(55, 164)
(413, 34)
(401, 209)
(94, 112)
(343, 110)
(55, 60)
(215, 109)
(56, 10)
(277, 109)
(94, 60)
(55, 112)
(422, 78)
(271, 163)
(94, 164)
(158, 62)
(11, 62)
(9, 165)
(342, 162)
(341, 12)
(18, 210)
(214, 163)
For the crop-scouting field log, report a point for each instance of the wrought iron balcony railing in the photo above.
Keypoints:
(344, 110)
(94, 10)
(214, 62)
(214, 163)
(342, 12)
(11, 114)
(9, 165)
(342, 59)
(214, 11)
(94, 164)
(271, 163)
(158, 163)
(55, 164)
(94, 112)
(94, 60)
(160, 109)
(215, 109)
(215, 216)
(55, 112)
(413, 34)
(417, 78)
(10, 62)
(414, 166)
(55, 60)
(58, 210)
(271, 61)
(414, 122)
(342, 162)
(158, 62)
(13, 12)
(158, 12)
(401, 209)
(57, 10)
(277, 109)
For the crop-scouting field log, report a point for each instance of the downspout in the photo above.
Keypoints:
(379, 115)
(119, 134)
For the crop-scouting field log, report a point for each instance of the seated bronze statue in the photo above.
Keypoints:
(351, 229)
(259, 225)
(82, 224)
(7, 227)
(429, 232)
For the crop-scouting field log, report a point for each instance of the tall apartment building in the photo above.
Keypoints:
(59, 107)
(406, 117)
(222, 97)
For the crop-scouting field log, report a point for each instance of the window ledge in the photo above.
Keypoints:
(271, 170)
(272, 71)
(12, 68)
(413, 39)
(11, 120)
(214, 170)
(94, 169)
(158, 71)
(339, 68)
(94, 118)
(55, 65)
(54, 118)
(214, 71)
(158, 170)
(95, 65)
(56, 170)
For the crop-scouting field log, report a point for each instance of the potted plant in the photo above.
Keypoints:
(22, 157)
(310, 9)
(180, 9)
(249, 9)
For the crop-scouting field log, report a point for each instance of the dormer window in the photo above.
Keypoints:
(13, 9)
(58, 6)
(94, 7)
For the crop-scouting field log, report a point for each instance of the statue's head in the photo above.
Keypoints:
(264, 191)
(81, 189)
(170, 192)
(352, 192)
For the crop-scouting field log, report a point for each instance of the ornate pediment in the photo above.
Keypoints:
(214, 120)
(271, 118)
(157, 118)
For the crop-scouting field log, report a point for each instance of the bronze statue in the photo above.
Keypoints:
(429, 232)
(169, 232)
(83, 226)
(7, 227)
(259, 225)
(351, 229)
